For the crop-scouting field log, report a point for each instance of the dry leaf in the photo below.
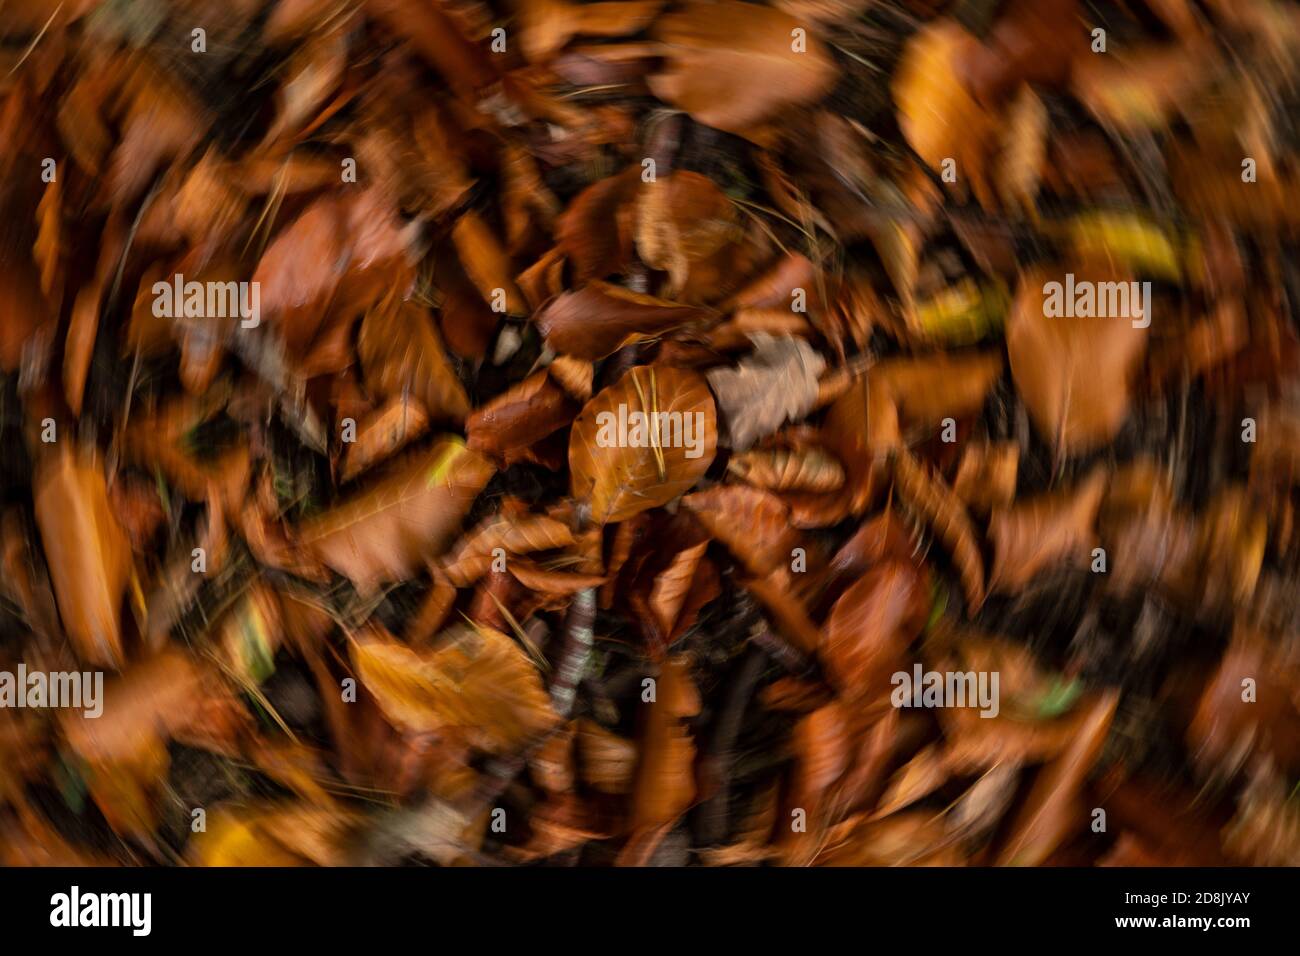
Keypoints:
(477, 683)
(937, 113)
(946, 514)
(786, 469)
(87, 552)
(389, 529)
(734, 65)
(1032, 535)
(681, 219)
(1052, 810)
(774, 385)
(665, 783)
(600, 318)
(401, 353)
(642, 442)
(487, 263)
(870, 627)
(389, 429)
(1074, 374)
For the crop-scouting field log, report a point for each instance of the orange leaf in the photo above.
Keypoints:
(735, 65)
(671, 435)
(387, 531)
(401, 352)
(87, 552)
(478, 683)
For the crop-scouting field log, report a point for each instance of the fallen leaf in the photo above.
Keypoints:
(401, 353)
(734, 65)
(1074, 374)
(390, 528)
(1032, 535)
(776, 384)
(1052, 810)
(870, 627)
(477, 683)
(600, 318)
(619, 475)
(786, 469)
(87, 551)
(946, 514)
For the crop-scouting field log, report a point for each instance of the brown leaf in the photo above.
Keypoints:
(435, 37)
(937, 113)
(607, 761)
(552, 766)
(1032, 535)
(166, 697)
(1032, 41)
(871, 625)
(860, 427)
(753, 523)
(82, 329)
(386, 531)
(930, 389)
(733, 65)
(515, 535)
(310, 76)
(619, 475)
(339, 254)
(823, 751)
(917, 779)
(274, 835)
(1227, 728)
(775, 287)
(389, 429)
(478, 683)
(547, 25)
(300, 271)
(665, 780)
(1024, 150)
(600, 318)
(574, 375)
(24, 307)
(487, 263)
(682, 218)
(1052, 810)
(517, 419)
(88, 554)
(946, 514)
(786, 469)
(593, 232)
(673, 586)
(986, 476)
(1147, 85)
(401, 353)
(1073, 373)
(546, 581)
(824, 11)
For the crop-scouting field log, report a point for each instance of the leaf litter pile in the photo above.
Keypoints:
(618, 396)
